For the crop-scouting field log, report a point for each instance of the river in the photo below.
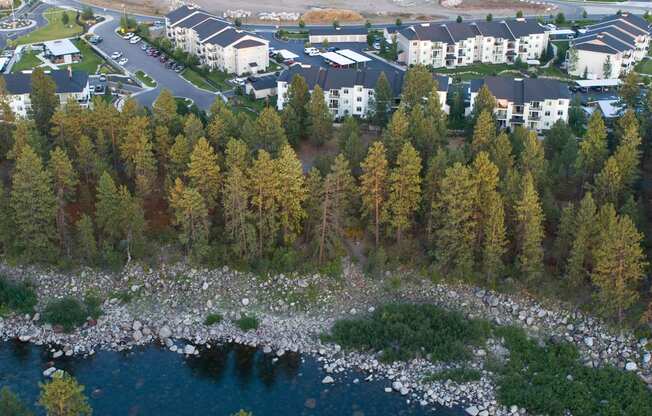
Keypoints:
(222, 380)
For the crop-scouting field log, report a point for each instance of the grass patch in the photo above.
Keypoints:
(27, 62)
(93, 305)
(406, 331)
(145, 79)
(551, 380)
(16, 297)
(67, 312)
(212, 319)
(124, 296)
(247, 323)
(197, 80)
(482, 69)
(55, 29)
(458, 375)
(218, 79)
(90, 60)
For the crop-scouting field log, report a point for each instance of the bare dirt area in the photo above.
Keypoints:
(346, 11)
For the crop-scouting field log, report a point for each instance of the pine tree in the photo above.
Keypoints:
(107, 208)
(67, 124)
(327, 233)
(223, 125)
(609, 183)
(64, 180)
(484, 133)
(383, 100)
(193, 129)
(236, 193)
(268, 133)
(630, 90)
(44, 101)
(417, 85)
(565, 236)
(619, 264)
(533, 160)
(530, 235)
(437, 121)
(162, 145)
(397, 133)
(178, 158)
(190, 215)
(431, 188)
(484, 101)
(584, 232)
(593, 148)
(295, 116)
(404, 190)
(456, 235)
(138, 154)
(320, 119)
(342, 188)
(63, 396)
(87, 159)
(86, 243)
(265, 186)
(293, 194)
(500, 153)
(164, 110)
(33, 206)
(373, 186)
(494, 244)
(131, 220)
(350, 143)
(628, 153)
(204, 173)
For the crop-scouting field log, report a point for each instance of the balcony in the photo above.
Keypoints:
(501, 114)
(535, 116)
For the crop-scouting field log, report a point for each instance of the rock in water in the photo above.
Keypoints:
(472, 410)
(165, 332)
(328, 380)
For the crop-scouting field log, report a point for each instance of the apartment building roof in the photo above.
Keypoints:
(262, 83)
(66, 82)
(632, 21)
(495, 30)
(193, 20)
(209, 27)
(451, 32)
(248, 43)
(226, 37)
(334, 79)
(520, 91)
(613, 34)
(340, 30)
(181, 13)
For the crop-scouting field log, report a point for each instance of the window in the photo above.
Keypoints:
(358, 109)
(345, 91)
(359, 99)
(547, 113)
(561, 102)
(371, 93)
(560, 112)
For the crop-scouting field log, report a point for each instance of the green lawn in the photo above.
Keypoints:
(55, 29)
(145, 79)
(90, 60)
(218, 79)
(197, 80)
(644, 67)
(28, 61)
(482, 69)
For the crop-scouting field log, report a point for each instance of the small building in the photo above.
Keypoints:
(534, 103)
(261, 87)
(61, 51)
(69, 85)
(338, 34)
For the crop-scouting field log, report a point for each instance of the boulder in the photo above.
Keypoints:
(49, 372)
(588, 341)
(472, 410)
(189, 349)
(164, 332)
(137, 335)
(631, 366)
(137, 326)
(245, 301)
(328, 380)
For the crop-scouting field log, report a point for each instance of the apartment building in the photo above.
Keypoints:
(338, 34)
(69, 85)
(534, 103)
(610, 48)
(215, 42)
(452, 44)
(348, 91)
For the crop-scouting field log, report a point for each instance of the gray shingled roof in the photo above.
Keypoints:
(193, 20)
(495, 29)
(525, 90)
(629, 18)
(209, 27)
(591, 47)
(227, 37)
(22, 83)
(461, 31)
(451, 32)
(434, 32)
(328, 78)
(180, 13)
(262, 83)
(248, 43)
(525, 27)
(342, 30)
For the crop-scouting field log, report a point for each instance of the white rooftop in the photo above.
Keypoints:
(610, 108)
(562, 32)
(338, 59)
(587, 83)
(287, 54)
(353, 55)
(61, 47)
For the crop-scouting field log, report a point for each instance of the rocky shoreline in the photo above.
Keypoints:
(169, 306)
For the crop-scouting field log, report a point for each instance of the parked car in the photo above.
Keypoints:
(116, 55)
(162, 59)
(144, 46)
(123, 61)
(376, 45)
(333, 49)
(95, 39)
(102, 78)
(311, 51)
(179, 68)
(128, 36)
(98, 89)
(134, 40)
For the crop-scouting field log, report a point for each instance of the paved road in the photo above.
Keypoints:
(32, 13)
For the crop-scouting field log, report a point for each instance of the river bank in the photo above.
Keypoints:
(169, 306)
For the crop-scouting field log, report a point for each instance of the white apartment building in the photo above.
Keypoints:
(452, 44)
(534, 103)
(338, 34)
(616, 43)
(218, 45)
(69, 85)
(348, 91)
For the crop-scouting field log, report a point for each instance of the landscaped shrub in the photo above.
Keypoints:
(67, 312)
(405, 331)
(17, 297)
(213, 318)
(551, 380)
(247, 323)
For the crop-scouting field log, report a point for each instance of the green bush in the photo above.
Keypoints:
(18, 297)
(213, 318)
(405, 331)
(551, 380)
(247, 323)
(67, 312)
(93, 305)
(458, 375)
(11, 405)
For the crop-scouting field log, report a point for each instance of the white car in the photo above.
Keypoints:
(116, 55)
(134, 40)
(128, 36)
(123, 61)
(311, 51)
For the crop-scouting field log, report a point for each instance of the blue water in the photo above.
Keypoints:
(221, 381)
